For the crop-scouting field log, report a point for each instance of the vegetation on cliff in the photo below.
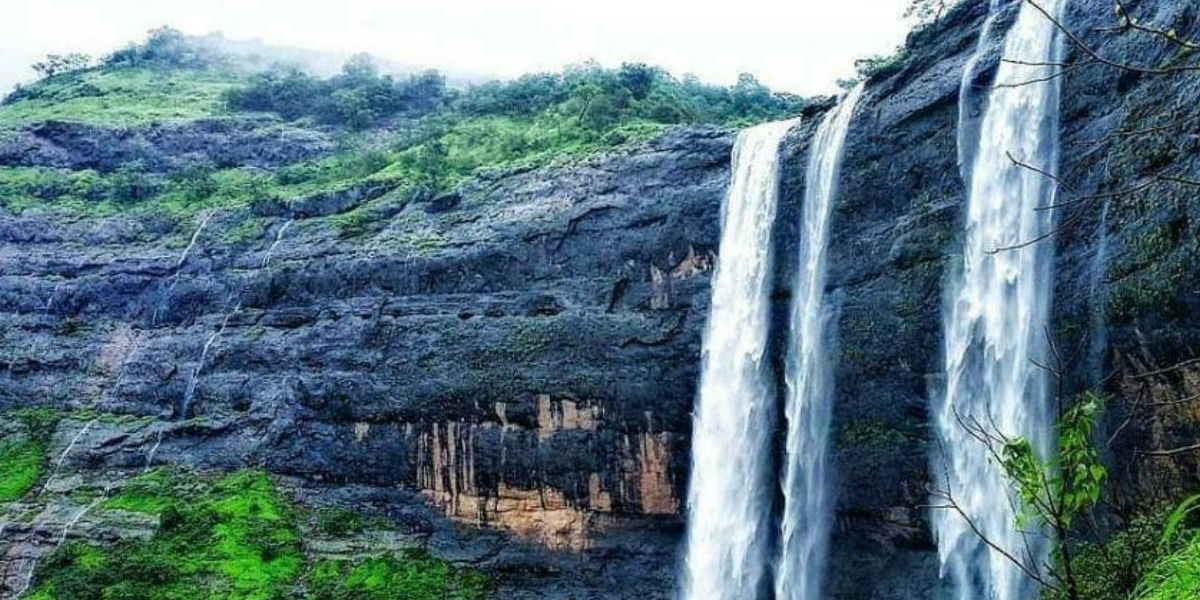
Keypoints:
(234, 537)
(23, 451)
(411, 132)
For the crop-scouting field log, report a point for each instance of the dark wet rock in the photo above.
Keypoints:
(217, 142)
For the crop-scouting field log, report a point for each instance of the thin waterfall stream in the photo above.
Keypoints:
(807, 500)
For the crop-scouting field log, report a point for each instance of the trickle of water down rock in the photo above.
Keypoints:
(996, 315)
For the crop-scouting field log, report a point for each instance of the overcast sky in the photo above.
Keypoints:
(801, 46)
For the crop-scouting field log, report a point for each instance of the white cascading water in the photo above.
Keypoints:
(731, 489)
(996, 316)
(807, 502)
(969, 103)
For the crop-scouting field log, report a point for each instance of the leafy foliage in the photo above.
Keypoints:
(594, 98)
(164, 48)
(57, 64)
(128, 188)
(1111, 570)
(1175, 576)
(598, 98)
(1055, 491)
(881, 65)
(924, 12)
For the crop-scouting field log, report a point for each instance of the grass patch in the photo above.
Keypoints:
(23, 451)
(232, 539)
(236, 538)
(1175, 577)
(121, 97)
(413, 576)
(149, 493)
(20, 467)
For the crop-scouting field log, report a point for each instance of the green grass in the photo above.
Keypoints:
(232, 539)
(21, 464)
(235, 538)
(440, 157)
(1175, 577)
(88, 193)
(467, 146)
(413, 576)
(150, 493)
(23, 451)
(122, 96)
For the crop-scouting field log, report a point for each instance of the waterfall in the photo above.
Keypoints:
(807, 503)
(996, 315)
(969, 90)
(731, 490)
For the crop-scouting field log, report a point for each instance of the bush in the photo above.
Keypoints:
(129, 184)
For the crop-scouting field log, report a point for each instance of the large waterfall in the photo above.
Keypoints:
(806, 515)
(997, 313)
(731, 489)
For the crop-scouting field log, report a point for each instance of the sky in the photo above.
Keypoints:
(801, 46)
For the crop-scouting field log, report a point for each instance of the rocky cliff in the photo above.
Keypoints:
(506, 372)
(519, 356)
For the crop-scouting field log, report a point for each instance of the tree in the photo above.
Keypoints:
(925, 12)
(129, 184)
(165, 47)
(638, 78)
(360, 69)
(58, 64)
(1052, 492)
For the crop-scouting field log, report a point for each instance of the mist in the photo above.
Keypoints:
(801, 47)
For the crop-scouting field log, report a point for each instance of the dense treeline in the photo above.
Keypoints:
(600, 97)
(359, 97)
(594, 97)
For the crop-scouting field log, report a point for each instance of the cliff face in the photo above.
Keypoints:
(521, 355)
(1125, 286)
(507, 372)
